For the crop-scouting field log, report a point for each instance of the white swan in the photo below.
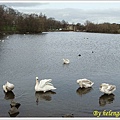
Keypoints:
(66, 61)
(8, 87)
(44, 85)
(107, 88)
(85, 83)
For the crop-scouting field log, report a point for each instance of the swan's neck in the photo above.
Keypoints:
(81, 84)
(37, 82)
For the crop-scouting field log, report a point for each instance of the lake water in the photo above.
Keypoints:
(24, 57)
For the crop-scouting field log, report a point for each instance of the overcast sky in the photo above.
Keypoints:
(70, 11)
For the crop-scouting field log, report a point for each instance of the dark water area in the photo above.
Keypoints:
(24, 57)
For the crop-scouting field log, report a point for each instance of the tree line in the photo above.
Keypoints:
(13, 21)
(102, 27)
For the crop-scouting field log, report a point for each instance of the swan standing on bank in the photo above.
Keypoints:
(85, 83)
(66, 61)
(8, 87)
(44, 85)
(107, 88)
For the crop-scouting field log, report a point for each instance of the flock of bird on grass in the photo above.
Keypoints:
(46, 85)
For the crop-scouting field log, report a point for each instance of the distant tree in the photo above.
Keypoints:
(1, 17)
(13, 21)
(64, 24)
(80, 27)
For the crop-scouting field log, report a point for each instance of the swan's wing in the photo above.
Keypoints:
(85, 81)
(104, 85)
(111, 87)
(8, 84)
(67, 60)
(48, 83)
(4, 88)
(44, 82)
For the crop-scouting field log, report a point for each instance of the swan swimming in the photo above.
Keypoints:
(107, 88)
(8, 87)
(85, 83)
(44, 85)
(66, 61)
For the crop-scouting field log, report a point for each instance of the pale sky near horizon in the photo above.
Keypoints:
(72, 11)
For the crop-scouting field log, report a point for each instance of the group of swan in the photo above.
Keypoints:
(104, 87)
(85, 83)
(46, 85)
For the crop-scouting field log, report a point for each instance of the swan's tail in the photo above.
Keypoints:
(53, 88)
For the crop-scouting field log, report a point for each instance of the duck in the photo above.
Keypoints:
(13, 112)
(66, 61)
(14, 104)
(107, 88)
(85, 83)
(8, 87)
(44, 85)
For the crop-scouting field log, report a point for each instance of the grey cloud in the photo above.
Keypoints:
(79, 15)
(22, 4)
(71, 15)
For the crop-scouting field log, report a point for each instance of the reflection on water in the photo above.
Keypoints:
(1, 36)
(68, 115)
(22, 57)
(44, 96)
(13, 112)
(81, 91)
(15, 104)
(106, 99)
(65, 65)
(9, 95)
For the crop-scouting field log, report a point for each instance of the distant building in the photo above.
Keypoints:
(71, 27)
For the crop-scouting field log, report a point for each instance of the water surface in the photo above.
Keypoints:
(23, 57)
